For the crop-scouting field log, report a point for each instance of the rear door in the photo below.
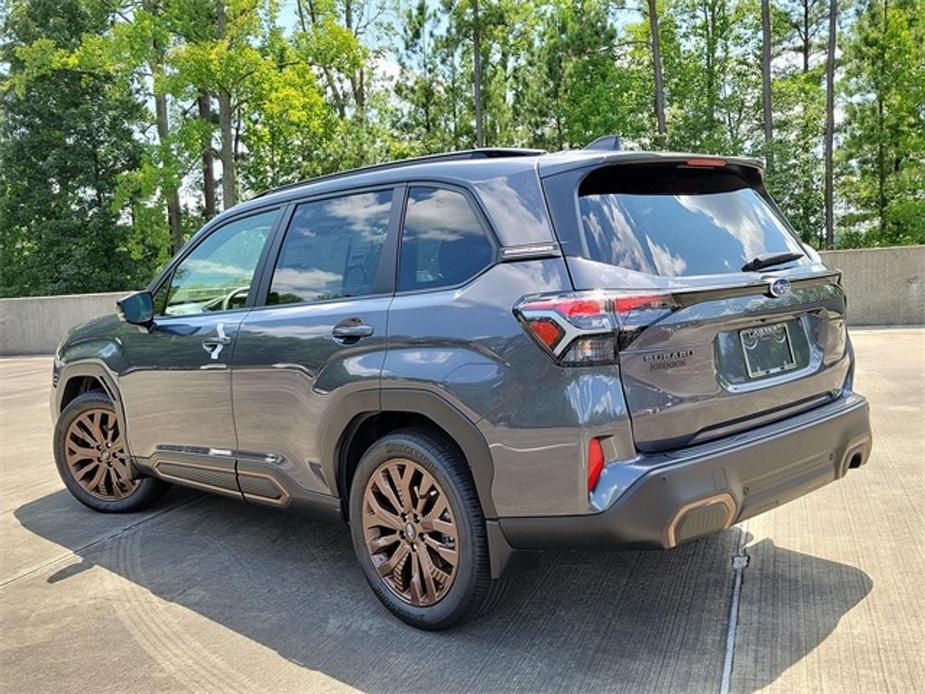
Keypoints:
(317, 336)
(706, 347)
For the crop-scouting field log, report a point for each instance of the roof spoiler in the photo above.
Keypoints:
(606, 143)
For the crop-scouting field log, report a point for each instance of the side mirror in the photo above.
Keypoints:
(137, 308)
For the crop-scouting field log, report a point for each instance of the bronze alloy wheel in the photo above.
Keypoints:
(410, 532)
(95, 455)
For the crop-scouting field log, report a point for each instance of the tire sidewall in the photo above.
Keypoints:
(457, 600)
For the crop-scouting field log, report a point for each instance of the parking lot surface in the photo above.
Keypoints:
(825, 594)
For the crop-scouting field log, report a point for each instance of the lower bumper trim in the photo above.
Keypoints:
(715, 486)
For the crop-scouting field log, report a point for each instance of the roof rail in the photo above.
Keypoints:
(607, 143)
(462, 155)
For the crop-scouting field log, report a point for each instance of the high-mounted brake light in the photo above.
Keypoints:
(590, 327)
(706, 162)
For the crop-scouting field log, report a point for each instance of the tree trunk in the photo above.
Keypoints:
(881, 126)
(162, 122)
(226, 155)
(477, 75)
(171, 193)
(208, 158)
(766, 78)
(830, 125)
(806, 38)
(356, 77)
(657, 68)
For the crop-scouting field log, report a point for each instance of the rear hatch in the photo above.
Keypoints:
(708, 341)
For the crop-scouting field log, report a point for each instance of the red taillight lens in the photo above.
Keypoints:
(548, 332)
(595, 463)
(588, 328)
(625, 304)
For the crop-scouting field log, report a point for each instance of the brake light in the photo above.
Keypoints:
(590, 327)
(706, 162)
(595, 463)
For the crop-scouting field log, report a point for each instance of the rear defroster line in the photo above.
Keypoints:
(739, 564)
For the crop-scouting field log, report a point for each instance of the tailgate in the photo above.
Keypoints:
(724, 320)
(719, 364)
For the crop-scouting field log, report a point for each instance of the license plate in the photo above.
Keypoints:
(767, 350)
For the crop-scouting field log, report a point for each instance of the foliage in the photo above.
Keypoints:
(117, 115)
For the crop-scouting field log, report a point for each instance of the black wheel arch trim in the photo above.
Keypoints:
(98, 369)
(350, 416)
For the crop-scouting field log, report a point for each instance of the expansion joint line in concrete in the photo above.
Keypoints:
(739, 564)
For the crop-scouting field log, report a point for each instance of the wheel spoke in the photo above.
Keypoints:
(116, 484)
(448, 554)
(427, 569)
(384, 484)
(120, 468)
(87, 469)
(82, 451)
(82, 430)
(94, 423)
(377, 515)
(378, 543)
(417, 590)
(393, 562)
(423, 490)
(97, 479)
(404, 487)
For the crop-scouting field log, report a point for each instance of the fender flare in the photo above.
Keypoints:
(98, 369)
(413, 401)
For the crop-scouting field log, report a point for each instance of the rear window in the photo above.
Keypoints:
(676, 222)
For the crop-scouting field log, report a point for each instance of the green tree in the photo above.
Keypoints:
(883, 150)
(65, 137)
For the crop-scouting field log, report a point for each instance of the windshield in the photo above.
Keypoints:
(677, 231)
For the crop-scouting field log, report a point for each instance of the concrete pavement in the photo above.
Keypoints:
(207, 594)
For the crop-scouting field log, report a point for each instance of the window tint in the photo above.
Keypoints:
(332, 249)
(217, 274)
(699, 225)
(443, 243)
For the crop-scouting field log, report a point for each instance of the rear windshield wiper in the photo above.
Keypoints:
(760, 262)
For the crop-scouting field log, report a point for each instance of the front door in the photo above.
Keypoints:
(176, 389)
(318, 338)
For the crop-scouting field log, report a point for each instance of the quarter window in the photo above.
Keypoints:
(217, 274)
(332, 249)
(443, 242)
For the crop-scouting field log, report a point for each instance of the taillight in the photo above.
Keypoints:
(595, 463)
(590, 327)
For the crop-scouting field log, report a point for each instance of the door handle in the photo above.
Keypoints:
(214, 344)
(351, 330)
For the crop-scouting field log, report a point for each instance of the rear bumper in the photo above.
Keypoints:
(669, 498)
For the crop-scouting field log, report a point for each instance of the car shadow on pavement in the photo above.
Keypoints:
(580, 621)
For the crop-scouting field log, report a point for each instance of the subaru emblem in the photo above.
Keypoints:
(778, 286)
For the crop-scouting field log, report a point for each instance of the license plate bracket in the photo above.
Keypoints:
(768, 350)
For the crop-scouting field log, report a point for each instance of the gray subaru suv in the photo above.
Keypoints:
(473, 356)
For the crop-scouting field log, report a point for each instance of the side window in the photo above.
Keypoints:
(332, 249)
(217, 274)
(443, 243)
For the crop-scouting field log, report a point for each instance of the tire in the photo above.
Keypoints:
(470, 591)
(85, 427)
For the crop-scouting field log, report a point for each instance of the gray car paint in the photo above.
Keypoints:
(291, 390)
